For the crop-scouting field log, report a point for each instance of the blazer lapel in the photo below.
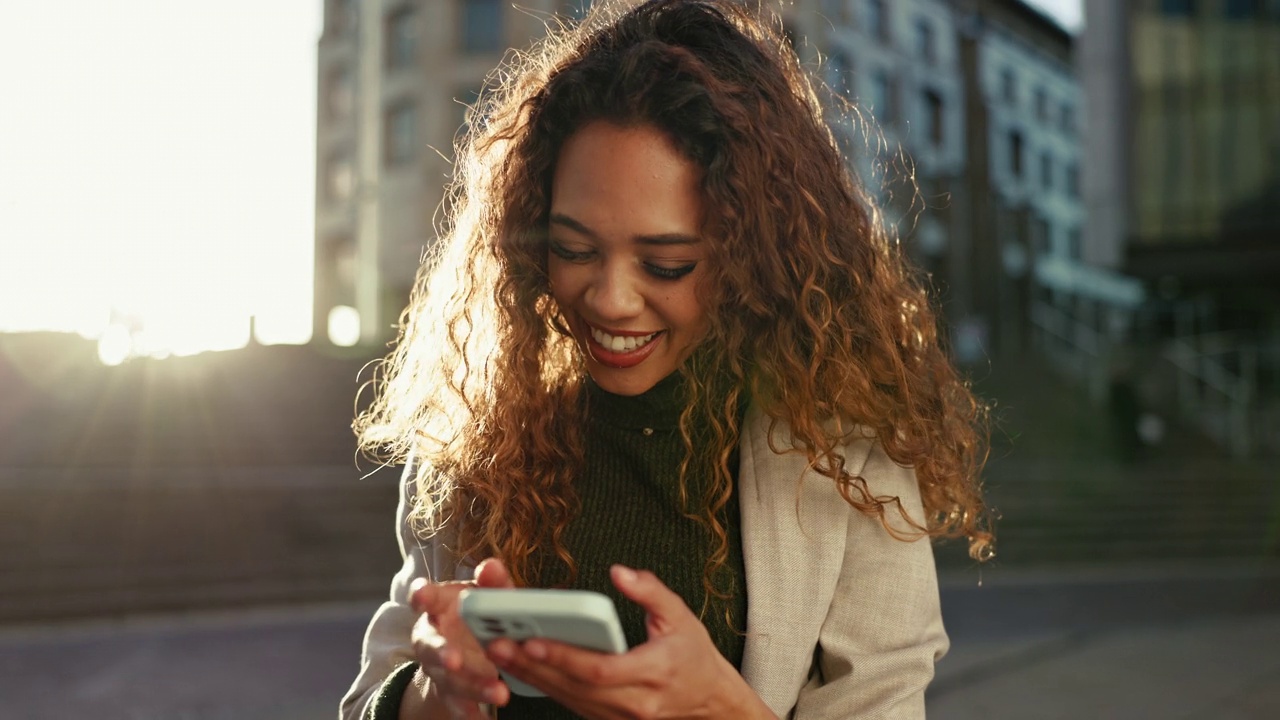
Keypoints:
(793, 540)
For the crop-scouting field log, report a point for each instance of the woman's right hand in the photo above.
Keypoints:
(454, 677)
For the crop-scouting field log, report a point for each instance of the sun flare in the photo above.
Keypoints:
(158, 206)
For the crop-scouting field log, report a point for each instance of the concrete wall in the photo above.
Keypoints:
(103, 542)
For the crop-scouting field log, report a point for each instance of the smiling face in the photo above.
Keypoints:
(626, 253)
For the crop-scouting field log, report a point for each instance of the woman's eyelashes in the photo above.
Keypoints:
(670, 273)
(662, 272)
(565, 253)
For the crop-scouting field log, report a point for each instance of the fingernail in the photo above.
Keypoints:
(500, 653)
(492, 695)
(626, 574)
(536, 650)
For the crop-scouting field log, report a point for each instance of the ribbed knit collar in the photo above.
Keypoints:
(659, 407)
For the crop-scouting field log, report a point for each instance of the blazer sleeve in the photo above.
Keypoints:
(883, 632)
(387, 645)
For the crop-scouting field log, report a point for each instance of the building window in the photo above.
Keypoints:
(1073, 181)
(344, 262)
(876, 19)
(1178, 8)
(1008, 86)
(339, 94)
(482, 26)
(1041, 237)
(882, 98)
(340, 16)
(933, 118)
(401, 132)
(1242, 9)
(339, 178)
(402, 39)
(1046, 171)
(1015, 153)
(1042, 104)
(840, 73)
(1067, 119)
(926, 42)
(1075, 244)
(339, 267)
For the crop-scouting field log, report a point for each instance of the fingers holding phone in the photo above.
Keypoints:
(448, 653)
(677, 672)
(576, 617)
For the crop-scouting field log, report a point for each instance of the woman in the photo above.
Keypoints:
(666, 351)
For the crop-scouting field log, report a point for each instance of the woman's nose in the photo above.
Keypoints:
(613, 294)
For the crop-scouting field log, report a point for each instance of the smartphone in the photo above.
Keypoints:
(576, 617)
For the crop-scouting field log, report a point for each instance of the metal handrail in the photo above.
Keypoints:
(1084, 342)
(1201, 362)
(1199, 367)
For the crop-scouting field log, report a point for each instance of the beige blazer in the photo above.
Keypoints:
(843, 620)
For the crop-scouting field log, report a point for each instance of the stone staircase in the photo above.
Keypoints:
(100, 542)
(1066, 492)
(229, 481)
(207, 481)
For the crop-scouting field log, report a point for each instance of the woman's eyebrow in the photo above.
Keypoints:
(565, 220)
(658, 239)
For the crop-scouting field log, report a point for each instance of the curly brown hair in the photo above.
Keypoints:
(815, 315)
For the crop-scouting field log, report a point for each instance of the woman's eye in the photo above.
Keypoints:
(565, 253)
(670, 273)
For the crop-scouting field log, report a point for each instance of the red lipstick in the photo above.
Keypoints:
(623, 359)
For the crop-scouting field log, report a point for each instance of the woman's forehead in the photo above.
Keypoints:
(611, 179)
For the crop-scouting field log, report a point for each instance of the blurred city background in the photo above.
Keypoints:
(211, 216)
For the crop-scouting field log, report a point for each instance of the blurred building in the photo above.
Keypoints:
(1021, 269)
(898, 64)
(395, 78)
(982, 97)
(979, 94)
(1183, 191)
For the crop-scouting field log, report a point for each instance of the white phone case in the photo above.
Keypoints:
(577, 617)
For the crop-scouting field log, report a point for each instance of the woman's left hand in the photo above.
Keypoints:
(677, 673)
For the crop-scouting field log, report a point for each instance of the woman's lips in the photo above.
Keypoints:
(606, 355)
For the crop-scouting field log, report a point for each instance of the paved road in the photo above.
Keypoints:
(257, 665)
(1159, 642)
(1171, 641)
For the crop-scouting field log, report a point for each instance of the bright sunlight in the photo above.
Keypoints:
(158, 172)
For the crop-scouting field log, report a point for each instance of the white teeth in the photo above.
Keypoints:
(621, 343)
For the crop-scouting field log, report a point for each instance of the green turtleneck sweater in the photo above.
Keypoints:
(631, 514)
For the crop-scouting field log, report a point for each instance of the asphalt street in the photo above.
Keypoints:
(1173, 641)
